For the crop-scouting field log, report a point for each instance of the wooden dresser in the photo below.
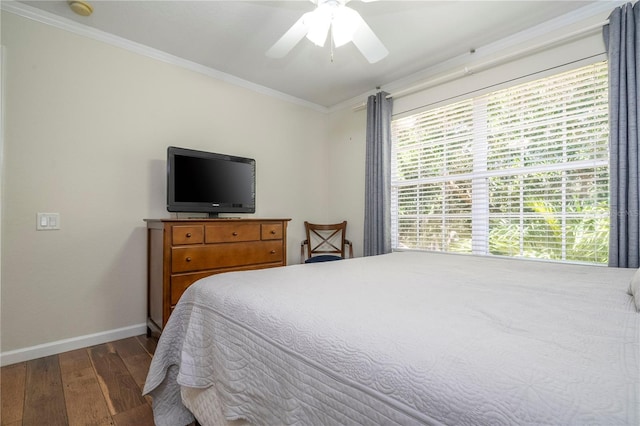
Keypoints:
(181, 251)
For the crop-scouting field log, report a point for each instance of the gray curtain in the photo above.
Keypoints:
(377, 203)
(622, 39)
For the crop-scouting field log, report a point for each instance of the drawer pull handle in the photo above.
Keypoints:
(273, 232)
(235, 234)
(188, 259)
(188, 234)
(273, 252)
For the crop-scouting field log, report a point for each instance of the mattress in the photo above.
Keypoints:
(406, 338)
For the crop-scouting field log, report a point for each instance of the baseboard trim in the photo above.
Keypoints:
(53, 348)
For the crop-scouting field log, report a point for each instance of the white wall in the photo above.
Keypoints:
(87, 126)
(347, 133)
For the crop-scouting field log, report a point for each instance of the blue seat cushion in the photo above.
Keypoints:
(322, 258)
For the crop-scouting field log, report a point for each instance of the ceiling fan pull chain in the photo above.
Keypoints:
(331, 43)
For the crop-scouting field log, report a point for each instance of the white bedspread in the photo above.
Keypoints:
(407, 338)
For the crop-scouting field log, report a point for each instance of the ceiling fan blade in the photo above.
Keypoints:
(290, 38)
(368, 43)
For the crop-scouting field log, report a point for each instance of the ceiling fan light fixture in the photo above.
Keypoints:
(343, 26)
(319, 23)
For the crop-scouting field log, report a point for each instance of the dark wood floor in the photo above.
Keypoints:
(100, 385)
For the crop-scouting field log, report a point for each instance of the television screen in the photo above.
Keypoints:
(199, 181)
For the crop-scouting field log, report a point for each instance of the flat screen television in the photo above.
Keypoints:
(207, 182)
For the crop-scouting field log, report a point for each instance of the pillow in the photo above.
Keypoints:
(634, 289)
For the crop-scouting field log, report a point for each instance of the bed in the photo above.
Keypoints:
(404, 338)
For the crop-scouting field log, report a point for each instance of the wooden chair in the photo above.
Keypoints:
(325, 243)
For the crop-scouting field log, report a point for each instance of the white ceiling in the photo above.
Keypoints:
(233, 36)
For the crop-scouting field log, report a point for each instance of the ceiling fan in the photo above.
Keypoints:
(334, 18)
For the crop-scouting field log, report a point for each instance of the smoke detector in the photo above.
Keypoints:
(80, 7)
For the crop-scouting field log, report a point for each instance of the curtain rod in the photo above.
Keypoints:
(468, 70)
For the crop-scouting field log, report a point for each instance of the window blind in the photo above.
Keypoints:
(518, 172)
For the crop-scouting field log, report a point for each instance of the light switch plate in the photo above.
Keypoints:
(48, 221)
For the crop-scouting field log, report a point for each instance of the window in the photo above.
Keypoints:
(517, 172)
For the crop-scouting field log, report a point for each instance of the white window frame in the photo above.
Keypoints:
(480, 216)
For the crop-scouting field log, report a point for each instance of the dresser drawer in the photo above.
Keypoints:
(271, 231)
(191, 234)
(227, 233)
(179, 283)
(186, 259)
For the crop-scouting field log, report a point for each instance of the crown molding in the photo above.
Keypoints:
(598, 10)
(69, 25)
(585, 13)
